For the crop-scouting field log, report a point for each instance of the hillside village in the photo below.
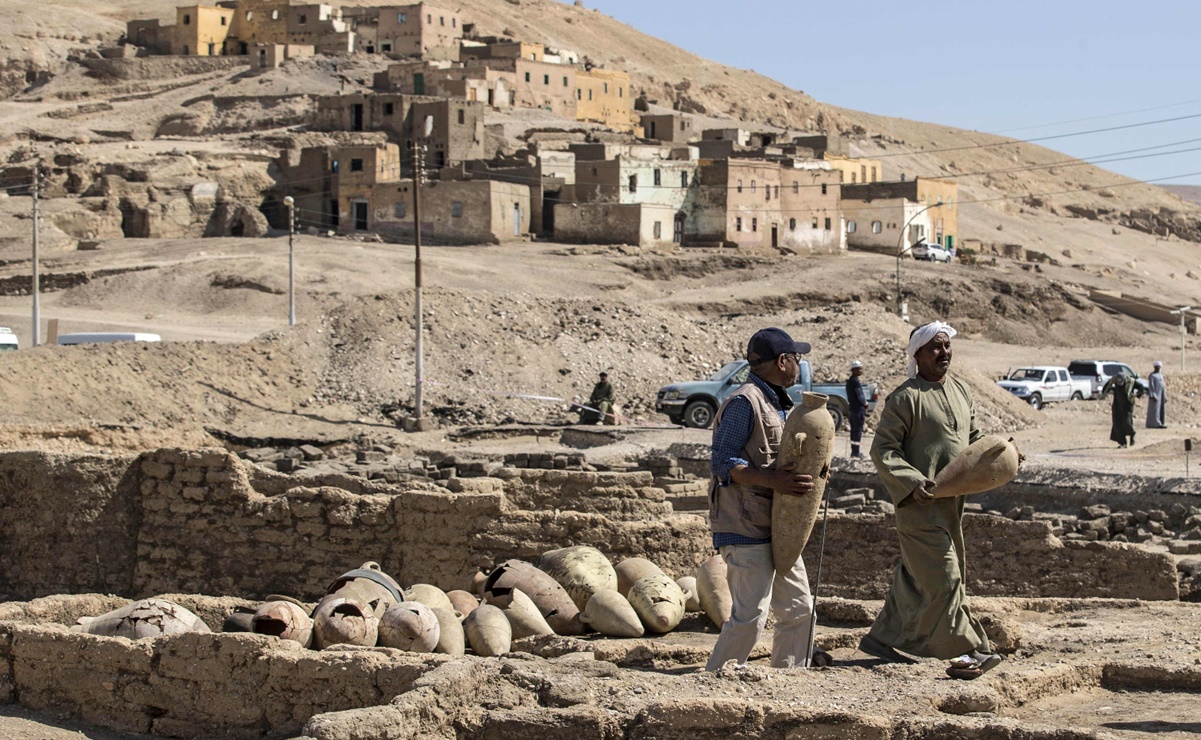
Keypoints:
(645, 179)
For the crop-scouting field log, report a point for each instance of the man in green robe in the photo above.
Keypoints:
(926, 422)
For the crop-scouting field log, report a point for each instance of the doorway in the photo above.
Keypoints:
(356, 117)
(360, 215)
(775, 236)
(677, 235)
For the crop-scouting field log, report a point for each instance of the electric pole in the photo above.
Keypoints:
(1183, 311)
(35, 286)
(418, 170)
(290, 202)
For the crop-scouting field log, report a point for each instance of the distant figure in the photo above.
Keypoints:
(1157, 396)
(1122, 428)
(600, 406)
(857, 400)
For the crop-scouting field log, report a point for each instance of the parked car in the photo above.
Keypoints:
(694, 403)
(931, 252)
(1044, 384)
(8, 340)
(97, 337)
(1098, 373)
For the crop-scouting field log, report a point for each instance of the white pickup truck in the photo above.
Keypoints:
(1044, 384)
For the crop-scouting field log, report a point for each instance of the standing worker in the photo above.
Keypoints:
(746, 441)
(1157, 396)
(926, 422)
(857, 402)
(1121, 426)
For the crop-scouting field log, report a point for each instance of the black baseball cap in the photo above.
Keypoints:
(770, 343)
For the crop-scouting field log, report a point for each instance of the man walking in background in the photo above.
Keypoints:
(1121, 426)
(857, 401)
(1157, 396)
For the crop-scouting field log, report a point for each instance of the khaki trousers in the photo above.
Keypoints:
(754, 585)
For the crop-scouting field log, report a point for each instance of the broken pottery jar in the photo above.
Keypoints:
(524, 617)
(807, 444)
(285, 620)
(341, 621)
(368, 585)
(556, 607)
(411, 626)
(581, 571)
(658, 601)
(145, 618)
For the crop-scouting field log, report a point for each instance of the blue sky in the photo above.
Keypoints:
(1010, 68)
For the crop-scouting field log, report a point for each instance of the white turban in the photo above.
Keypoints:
(922, 336)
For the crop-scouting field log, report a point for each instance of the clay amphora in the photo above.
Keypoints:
(631, 570)
(610, 614)
(285, 620)
(524, 617)
(464, 603)
(341, 621)
(451, 639)
(368, 585)
(687, 584)
(713, 590)
(557, 608)
(808, 443)
(990, 462)
(658, 601)
(145, 618)
(410, 625)
(581, 571)
(431, 596)
(488, 631)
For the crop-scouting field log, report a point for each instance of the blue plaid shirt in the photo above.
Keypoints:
(729, 440)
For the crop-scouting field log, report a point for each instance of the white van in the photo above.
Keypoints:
(8, 340)
(97, 337)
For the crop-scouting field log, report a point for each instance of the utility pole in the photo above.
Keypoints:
(1183, 311)
(418, 167)
(35, 286)
(290, 202)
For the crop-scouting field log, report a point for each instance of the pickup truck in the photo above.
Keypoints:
(694, 403)
(1044, 384)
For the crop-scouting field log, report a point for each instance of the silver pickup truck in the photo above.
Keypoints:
(694, 403)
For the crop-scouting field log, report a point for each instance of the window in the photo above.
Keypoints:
(681, 122)
(824, 189)
(185, 50)
(754, 224)
(777, 192)
(456, 208)
(564, 81)
(223, 19)
(579, 94)
(827, 223)
(454, 22)
(853, 177)
(527, 76)
(877, 227)
(683, 179)
(187, 20)
(399, 209)
(385, 46)
(594, 172)
(738, 224)
(851, 227)
(740, 186)
(303, 19)
(863, 172)
(401, 18)
(658, 230)
(429, 17)
(792, 224)
(633, 183)
(590, 94)
(333, 166)
(356, 165)
(658, 178)
(441, 20)
(752, 186)
(619, 91)
(462, 117)
(389, 108)
(767, 192)
(815, 222)
(606, 88)
(275, 15)
(545, 79)
(250, 15)
(873, 174)
(796, 187)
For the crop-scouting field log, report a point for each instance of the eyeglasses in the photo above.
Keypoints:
(794, 356)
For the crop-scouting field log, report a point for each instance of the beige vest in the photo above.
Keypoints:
(746, 510)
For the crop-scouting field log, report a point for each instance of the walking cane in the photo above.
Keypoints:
(817, 583)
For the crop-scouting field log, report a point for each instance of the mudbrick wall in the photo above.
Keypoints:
(205, 522)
